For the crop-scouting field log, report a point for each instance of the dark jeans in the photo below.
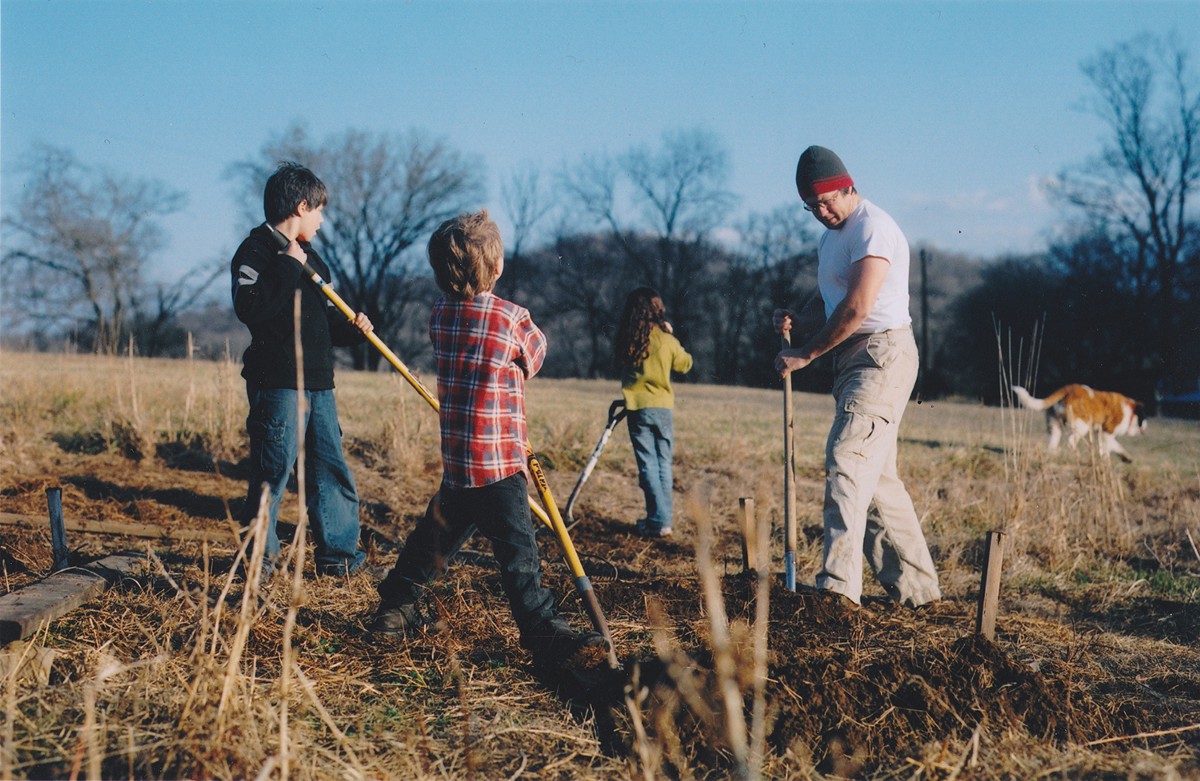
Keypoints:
(332, 497)
(652, 434)
(501, 512)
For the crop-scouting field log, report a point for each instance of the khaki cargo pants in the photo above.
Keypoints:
(868, 511)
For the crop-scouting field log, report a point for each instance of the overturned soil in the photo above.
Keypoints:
(853, 692)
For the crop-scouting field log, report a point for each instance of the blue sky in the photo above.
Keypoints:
(947, 114)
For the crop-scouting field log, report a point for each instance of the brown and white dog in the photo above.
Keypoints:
(1079, 411)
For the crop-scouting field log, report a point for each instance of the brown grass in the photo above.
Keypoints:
(179, 673)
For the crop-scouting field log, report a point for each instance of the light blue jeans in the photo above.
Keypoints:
(652, 434)
(332, 497)
(868, 512)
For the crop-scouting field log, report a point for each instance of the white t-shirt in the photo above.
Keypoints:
(868, 230)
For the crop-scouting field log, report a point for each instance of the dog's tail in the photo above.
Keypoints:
(1027, 400)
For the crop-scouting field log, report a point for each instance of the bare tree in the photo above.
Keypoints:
(675, 194)
(774, 267)
(387, 192)
(581, 300)
(680, 187)
(81, 239)
(527, 204)
(680, 190)
(1138, 189)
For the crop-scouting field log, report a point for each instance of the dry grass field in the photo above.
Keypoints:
(179, 672)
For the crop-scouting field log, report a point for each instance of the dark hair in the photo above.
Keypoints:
(291, 185)
(643, 311)
(465, 254)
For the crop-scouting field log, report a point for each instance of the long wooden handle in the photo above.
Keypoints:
(789, 477)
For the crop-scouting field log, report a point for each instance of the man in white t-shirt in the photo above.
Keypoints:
(860, 313)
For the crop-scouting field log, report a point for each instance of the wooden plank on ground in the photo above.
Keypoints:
(24, 610)
(114, 527)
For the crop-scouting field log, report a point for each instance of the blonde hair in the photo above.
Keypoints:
(465, 254)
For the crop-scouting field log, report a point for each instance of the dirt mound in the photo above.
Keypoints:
(856, 687)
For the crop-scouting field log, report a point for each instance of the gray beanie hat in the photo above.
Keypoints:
(820, 171)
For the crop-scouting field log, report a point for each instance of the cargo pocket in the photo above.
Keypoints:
(865, 422)
(271, 439)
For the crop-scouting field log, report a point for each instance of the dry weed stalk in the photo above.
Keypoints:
(297, 551)
(721, 710)
(635, 698)
(762, 610)
(249, 608)
(189, 401)
(724, 660)
(225, 424)
(1016, 367)
(8, 757)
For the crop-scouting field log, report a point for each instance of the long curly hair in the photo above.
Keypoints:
(643, 311)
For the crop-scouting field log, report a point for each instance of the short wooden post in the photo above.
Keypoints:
(989, 586)
(749, 534)
(58, 528)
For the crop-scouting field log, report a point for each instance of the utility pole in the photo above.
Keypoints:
(924, 317)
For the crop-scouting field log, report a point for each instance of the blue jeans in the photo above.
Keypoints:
(332, 497)
(501, 511)
(652, 433)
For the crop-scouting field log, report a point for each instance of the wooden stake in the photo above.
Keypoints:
(749, 534)
(989, 586)
(58, 531)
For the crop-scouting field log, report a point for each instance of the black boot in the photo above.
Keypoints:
(399, 619)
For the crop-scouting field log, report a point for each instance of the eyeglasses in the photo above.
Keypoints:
(826, 204)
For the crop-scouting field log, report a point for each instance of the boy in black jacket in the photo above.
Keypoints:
(265, 281)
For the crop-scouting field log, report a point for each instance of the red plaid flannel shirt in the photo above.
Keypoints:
(485, 348)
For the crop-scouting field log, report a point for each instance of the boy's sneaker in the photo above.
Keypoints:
(399, 620)
(242, 571)
(554, 642)
(646, 530)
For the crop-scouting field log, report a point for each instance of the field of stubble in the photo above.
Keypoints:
(177, 671)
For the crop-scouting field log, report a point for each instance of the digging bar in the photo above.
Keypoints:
(554, 520)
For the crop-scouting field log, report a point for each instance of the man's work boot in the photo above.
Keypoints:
(399, 620)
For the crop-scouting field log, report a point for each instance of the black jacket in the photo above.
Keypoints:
(264, 286)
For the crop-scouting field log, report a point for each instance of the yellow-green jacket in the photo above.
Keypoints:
(649, 386)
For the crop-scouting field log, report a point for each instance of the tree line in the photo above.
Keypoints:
(1113, 301)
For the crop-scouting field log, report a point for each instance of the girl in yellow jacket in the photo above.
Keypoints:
(647, 353)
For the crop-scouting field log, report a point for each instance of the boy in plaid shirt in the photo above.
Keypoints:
(485, 348)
